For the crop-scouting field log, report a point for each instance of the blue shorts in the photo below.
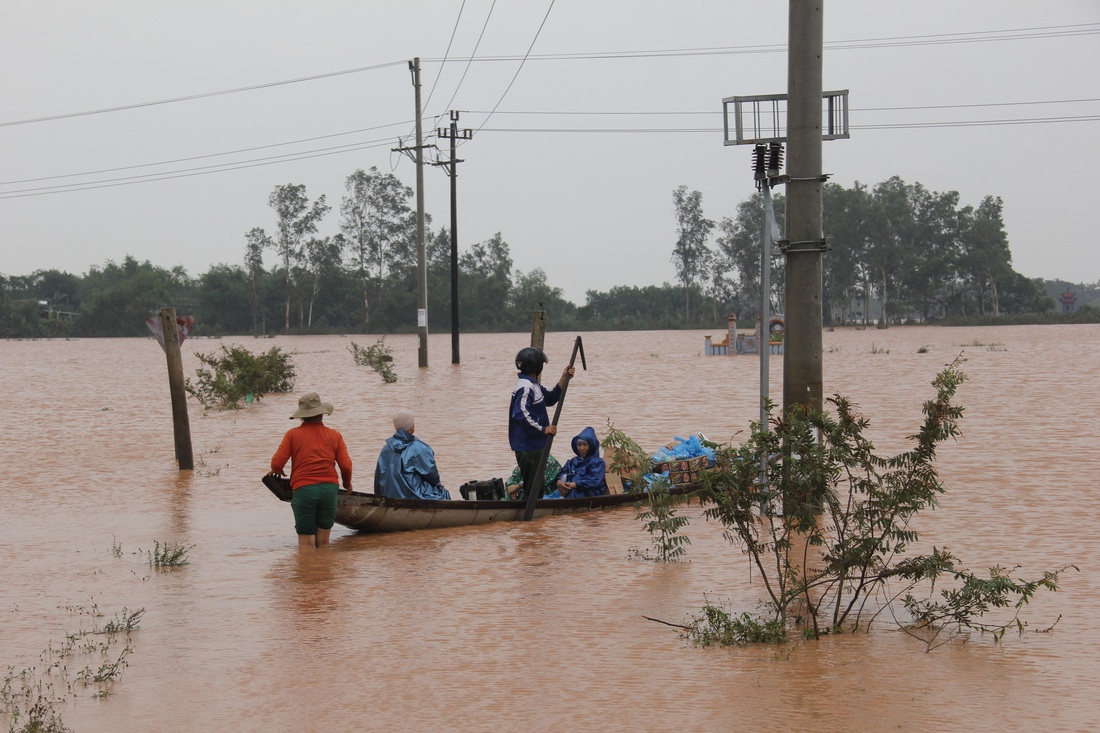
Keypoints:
(314, 507)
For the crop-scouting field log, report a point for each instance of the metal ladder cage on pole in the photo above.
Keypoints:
(762, 118)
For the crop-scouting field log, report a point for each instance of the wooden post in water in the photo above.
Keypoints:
(538, 330)
(181, 426)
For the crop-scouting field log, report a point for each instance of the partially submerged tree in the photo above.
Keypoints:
(828, 530)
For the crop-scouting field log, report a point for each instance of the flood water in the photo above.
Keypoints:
(528, 626)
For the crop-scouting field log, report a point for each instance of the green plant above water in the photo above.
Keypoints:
(718, 625)
(378, 357)
(31, 699)
(663, 522)
(235, 374)
(828, 530)
(169, 555)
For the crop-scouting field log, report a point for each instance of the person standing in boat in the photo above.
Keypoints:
(528, 423)
(514, 483)
(406, 466)
(314, 451)
(586, 474)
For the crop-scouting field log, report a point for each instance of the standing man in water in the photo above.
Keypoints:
(314, 451)
(528, 423)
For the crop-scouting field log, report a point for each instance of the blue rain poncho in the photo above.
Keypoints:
(588, 473)
(406, 469)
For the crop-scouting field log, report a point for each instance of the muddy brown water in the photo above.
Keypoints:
(535, 626)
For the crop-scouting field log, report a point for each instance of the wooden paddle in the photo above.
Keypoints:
(540, 480)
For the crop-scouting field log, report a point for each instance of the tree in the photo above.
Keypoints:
(531, 291)
(297, 219)
(485, 281)
(933, 282)
(117, 298)
(379, 226)
(739, 245)
(321, 258)
(845, 220)
(986, 253)
(891, 243)
(224, 296)
(256, 241)
(692, 229)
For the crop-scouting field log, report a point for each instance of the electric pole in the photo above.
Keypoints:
(421, 258)
(802, 368)
(451, 167)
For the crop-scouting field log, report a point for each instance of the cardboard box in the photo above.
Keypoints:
(681, 465)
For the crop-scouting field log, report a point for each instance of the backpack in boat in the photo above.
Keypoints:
(488, 490)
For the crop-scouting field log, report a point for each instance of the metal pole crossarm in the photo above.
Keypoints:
(761, 118)
(816, 245)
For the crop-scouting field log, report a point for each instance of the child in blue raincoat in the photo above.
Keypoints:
(584, 475)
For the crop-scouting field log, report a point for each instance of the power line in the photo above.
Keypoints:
(719, 130)
(446, 53)
(190, 172)
(1014, 34)
(469, 61)
(718, 112)
(204, 95)
(353, 147)
(521, 63)
(201, 157)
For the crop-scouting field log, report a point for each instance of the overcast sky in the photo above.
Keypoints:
(158, 129)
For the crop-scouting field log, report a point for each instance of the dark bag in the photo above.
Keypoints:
(279, 485)
(489, 490)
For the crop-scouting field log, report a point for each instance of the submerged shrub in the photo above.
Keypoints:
(378, 357)
(235, 374)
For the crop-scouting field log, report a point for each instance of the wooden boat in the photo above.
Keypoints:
(374, 513)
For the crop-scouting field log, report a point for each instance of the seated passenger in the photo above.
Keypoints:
(584, 475)
(406, 466)
(514, 484)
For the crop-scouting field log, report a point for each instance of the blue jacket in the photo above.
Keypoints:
(406, 469)
(588, 473)
(527, 418)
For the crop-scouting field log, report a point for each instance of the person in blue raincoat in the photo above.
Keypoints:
(584, 475)
(406, 466)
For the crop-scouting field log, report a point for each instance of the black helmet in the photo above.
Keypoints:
(530, 360)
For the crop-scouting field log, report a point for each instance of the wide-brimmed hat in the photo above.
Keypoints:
(310, 404)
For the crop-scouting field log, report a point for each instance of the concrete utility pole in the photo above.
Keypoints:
(802, 368)
(421, 258)
(454, 134)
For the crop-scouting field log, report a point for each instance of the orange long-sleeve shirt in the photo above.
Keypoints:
(314, 451)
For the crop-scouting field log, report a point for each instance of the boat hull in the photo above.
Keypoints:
(373, 513)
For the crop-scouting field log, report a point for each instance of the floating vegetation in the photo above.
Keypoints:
(378, 357)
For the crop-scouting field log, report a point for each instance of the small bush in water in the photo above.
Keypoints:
(235, 373)
(378, 357)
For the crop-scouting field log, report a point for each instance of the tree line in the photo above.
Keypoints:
(898, 253)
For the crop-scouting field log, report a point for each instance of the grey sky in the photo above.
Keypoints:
(577, 167)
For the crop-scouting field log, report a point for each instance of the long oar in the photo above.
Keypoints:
(537, 484)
